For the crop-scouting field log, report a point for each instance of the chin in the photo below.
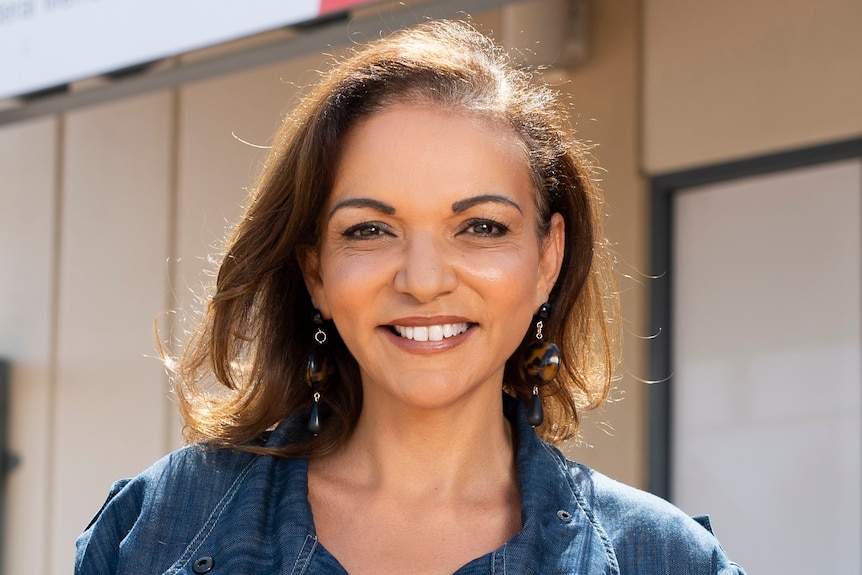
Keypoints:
(438, 392)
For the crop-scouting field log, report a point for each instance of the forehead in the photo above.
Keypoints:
(432, 148)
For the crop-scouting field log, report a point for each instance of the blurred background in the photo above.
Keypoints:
(730, 140)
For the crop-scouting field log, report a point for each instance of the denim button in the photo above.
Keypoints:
(203, 565)
(564, 515)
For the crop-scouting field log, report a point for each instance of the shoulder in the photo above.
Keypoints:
(647, 533)
(169, 496)
(190, 476)
(155, 521)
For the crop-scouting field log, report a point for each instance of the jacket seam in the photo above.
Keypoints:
(304, 558)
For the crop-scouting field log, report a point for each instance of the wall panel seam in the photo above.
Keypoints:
(53, 341)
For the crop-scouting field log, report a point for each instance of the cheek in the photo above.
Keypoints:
(351, 282)
(492, 274)
(512, 274)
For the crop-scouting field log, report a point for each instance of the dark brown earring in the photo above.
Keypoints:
(539, 366)
(317, 370)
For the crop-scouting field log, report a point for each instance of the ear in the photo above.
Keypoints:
(309, 263)
(551, 258)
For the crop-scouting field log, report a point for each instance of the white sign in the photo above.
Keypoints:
(47, 43)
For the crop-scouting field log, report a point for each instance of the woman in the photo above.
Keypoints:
(421, 260)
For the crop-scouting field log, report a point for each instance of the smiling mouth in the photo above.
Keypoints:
(431, 332)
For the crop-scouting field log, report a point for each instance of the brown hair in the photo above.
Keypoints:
(256, 333)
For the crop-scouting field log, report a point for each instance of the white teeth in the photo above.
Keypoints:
(431, 332)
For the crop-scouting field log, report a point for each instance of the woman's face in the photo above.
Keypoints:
(429, 263)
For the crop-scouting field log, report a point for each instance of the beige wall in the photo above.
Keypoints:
(109, 389)
(27, 327)
(728, 80)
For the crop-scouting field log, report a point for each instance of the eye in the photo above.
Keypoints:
(486, 228)
(366, 230)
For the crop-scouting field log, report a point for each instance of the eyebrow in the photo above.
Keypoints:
(362, 203)
(467, 203)
(457, 207)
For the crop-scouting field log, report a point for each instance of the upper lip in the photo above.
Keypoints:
(419, 321)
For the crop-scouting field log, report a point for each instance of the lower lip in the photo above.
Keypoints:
(425, 347)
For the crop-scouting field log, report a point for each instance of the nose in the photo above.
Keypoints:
(426, 269)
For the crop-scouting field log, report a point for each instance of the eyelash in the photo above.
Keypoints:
(370, 230)
(365, 231)
(498, 229)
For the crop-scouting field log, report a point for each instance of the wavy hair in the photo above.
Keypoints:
(255, 334)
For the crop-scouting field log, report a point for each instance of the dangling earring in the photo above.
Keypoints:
(317, 371)
(539, 365)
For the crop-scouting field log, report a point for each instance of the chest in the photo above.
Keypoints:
(381, 538)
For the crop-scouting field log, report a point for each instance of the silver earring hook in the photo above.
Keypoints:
(320, 336)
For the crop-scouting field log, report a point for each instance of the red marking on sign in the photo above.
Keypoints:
(328, 6)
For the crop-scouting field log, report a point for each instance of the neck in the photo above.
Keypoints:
(447, 451)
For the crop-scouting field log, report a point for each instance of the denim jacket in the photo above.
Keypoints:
(218, 511)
